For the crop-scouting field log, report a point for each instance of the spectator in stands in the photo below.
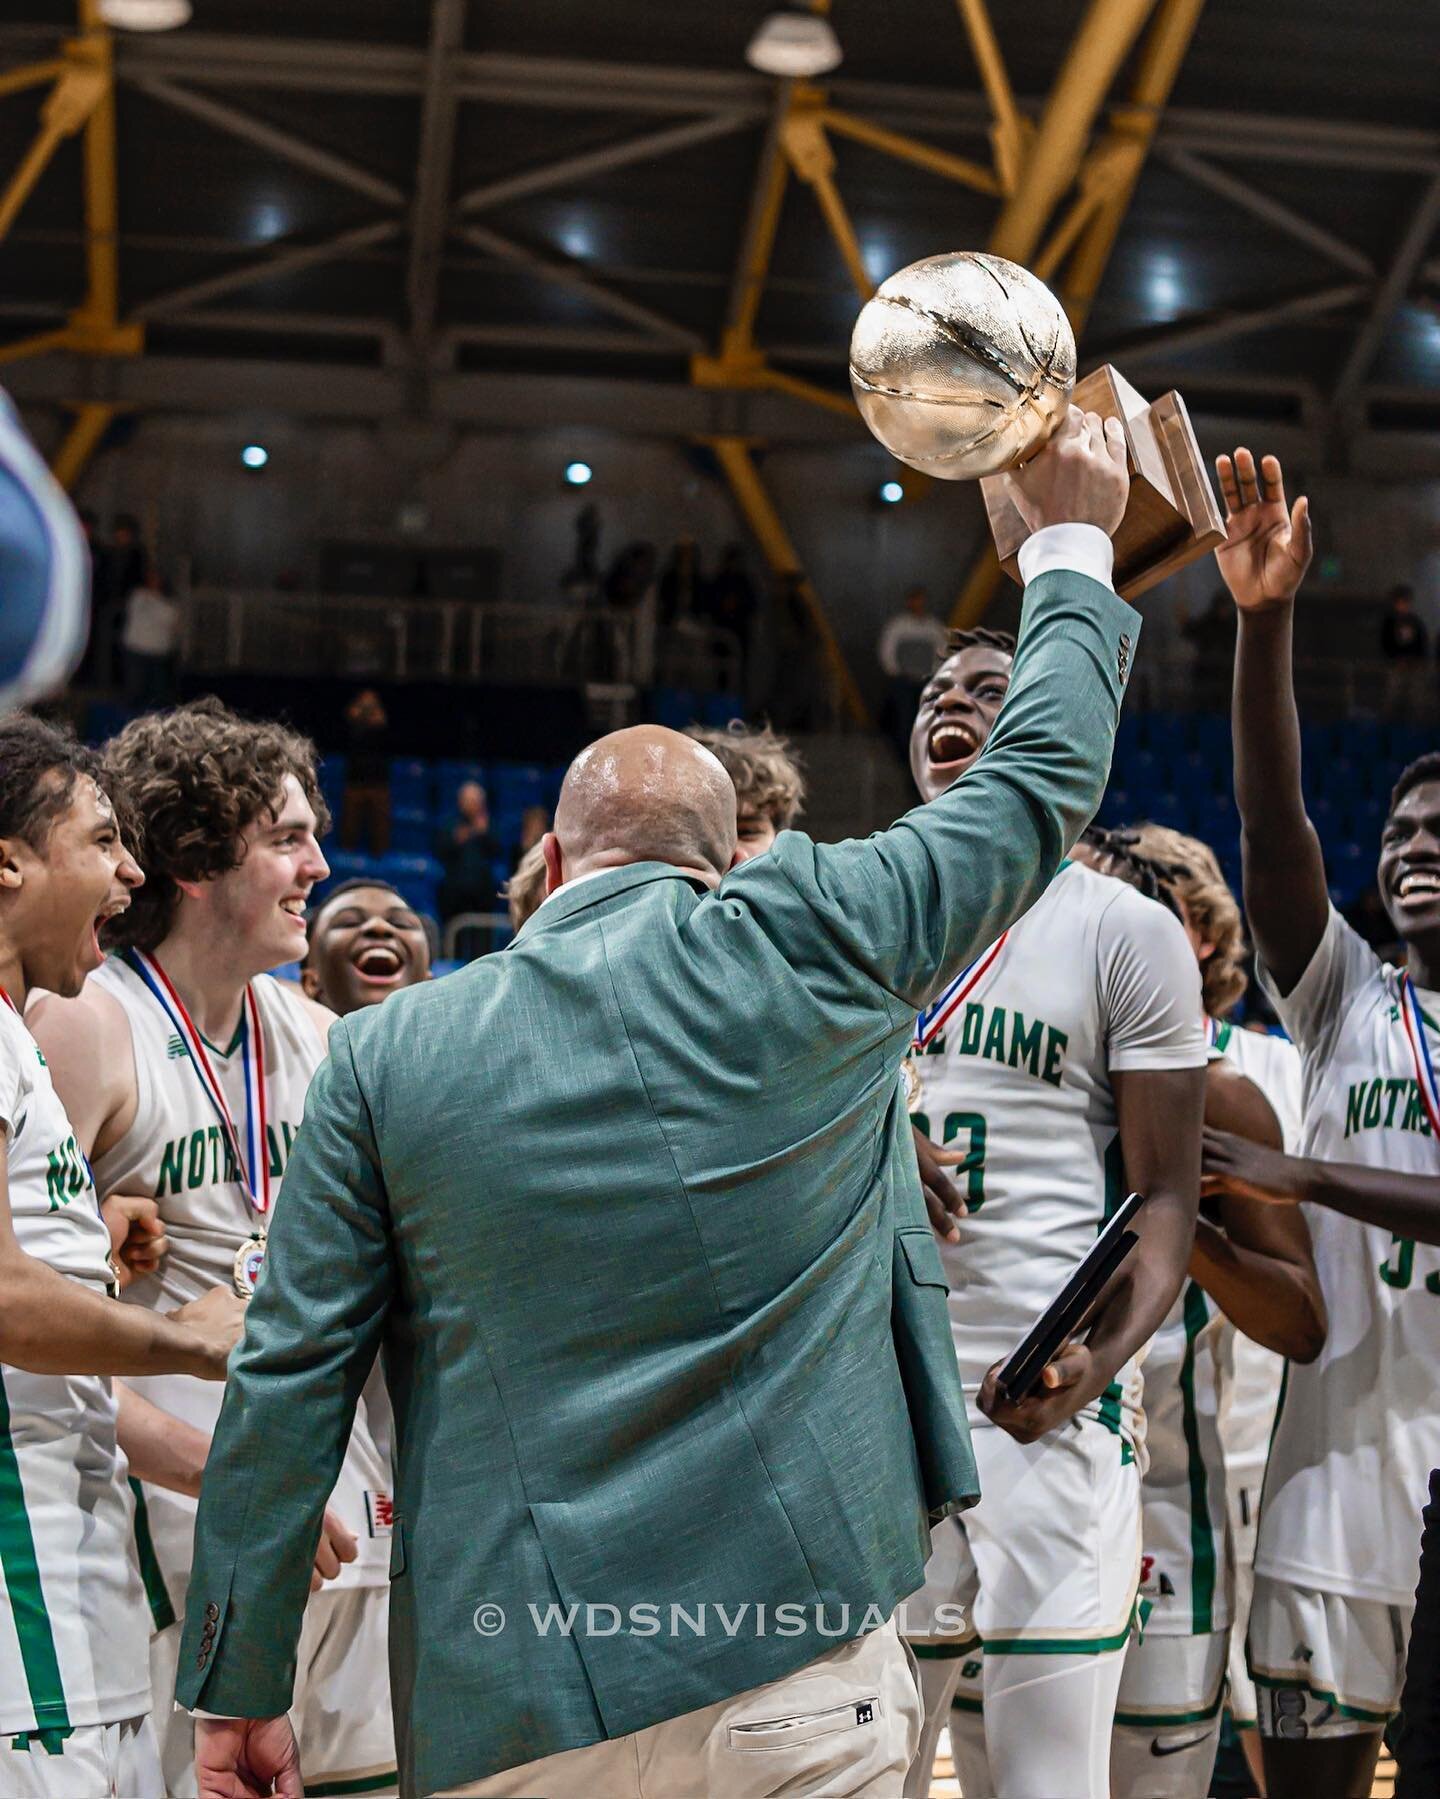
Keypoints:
(150, 645)
(534, 823)
(1404, 642)
(682, 586)
(733, 602)
(365, 943)
(366, 807)
(910, 646)
(121, 569)
(467, 851)
(769, 784)
(1403, 635)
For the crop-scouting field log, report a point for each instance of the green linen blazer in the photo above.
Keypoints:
(631, 1211)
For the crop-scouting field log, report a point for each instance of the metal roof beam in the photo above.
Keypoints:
(1389, 295)
(660, 330)
(1273, 212)
(282, 262)
(1192, 334)
(589, 163)
(431, 209)
(283, 144)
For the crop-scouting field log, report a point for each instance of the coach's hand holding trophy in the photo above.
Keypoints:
(963, 365)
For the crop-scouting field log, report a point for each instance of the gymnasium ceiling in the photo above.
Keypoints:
(329, 188)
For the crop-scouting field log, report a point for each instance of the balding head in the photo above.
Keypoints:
(643, 795)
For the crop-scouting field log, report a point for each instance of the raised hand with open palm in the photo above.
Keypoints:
(1267, 547)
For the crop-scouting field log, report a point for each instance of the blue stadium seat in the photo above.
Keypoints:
(449, 778)
(411, 785)
(718, 709)
(412, 831)
(417, 877)
(675, 707)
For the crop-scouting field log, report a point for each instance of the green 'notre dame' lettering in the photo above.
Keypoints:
(1375, 1105)
(66, 1174)
(1034, 1045)
(204, 1157)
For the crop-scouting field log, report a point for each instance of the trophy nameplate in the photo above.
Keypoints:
(1171, 517)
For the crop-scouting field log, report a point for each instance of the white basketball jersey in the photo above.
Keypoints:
(73, 1620)
(1094, 978)
(176, 1151)
(1248, 1411)
(1358, 1429)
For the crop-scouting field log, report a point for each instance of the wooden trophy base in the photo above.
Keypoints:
(1171, 517)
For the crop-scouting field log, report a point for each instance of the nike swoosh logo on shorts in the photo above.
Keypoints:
(1159, 1748)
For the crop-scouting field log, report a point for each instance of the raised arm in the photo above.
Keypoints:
(1263, 560)
(914, 904)
(311, 1338)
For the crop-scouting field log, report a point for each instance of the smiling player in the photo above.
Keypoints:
(365, 943)
(1358, 1430)
(184, 1067)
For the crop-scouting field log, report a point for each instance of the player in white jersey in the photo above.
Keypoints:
(1251, 1372)
(1068, 1056)
(1359, 1430)
(1252, 1265)
(185, 1068)
(74, 1690)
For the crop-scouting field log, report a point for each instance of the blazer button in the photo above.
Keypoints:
(212, 1611)
(207, 1636)
(202, 1658)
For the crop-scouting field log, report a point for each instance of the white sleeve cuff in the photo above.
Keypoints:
(1084, 549)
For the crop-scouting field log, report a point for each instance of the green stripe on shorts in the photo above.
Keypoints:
(362, 1783)
(22, 1583)
(162, 1612)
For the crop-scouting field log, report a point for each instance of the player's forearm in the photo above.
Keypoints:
(1284, 871)
(1407, 1204)
(161, 1449)
(1142, 1293)
(50, 1324)
(1275, 1303)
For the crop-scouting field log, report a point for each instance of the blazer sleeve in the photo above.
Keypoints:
(912, 905)
(311, 1337)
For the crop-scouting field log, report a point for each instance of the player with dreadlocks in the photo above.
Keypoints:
(1251, 1268)
(1066, 1057)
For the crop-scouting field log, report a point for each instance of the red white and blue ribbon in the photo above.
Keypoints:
(939, 1013)
(253, 1161)
(1414, 1021)
(9, 1002)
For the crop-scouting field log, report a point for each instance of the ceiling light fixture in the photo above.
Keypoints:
(795, 44)
(145, 15)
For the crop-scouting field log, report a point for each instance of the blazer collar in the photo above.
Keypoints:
(579, 896)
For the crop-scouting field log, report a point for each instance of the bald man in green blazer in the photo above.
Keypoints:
(632, 1214)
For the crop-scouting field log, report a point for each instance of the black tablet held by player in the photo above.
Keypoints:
(1073, 1304)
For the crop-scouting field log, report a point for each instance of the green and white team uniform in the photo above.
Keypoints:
(1247, 1415)
(1210, 1398)
(1167, 1715)
(74, 1680)
(1014, 1065)
(1358, 1430)
(178, 1151)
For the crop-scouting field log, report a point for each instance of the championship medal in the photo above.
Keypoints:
(911, 1080)
(249, 1260)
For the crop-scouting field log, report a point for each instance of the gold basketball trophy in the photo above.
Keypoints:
(963, 364)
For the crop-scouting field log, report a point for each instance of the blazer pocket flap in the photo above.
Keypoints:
(922, 1255)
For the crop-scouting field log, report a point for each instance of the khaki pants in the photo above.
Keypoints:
(846, 1724)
